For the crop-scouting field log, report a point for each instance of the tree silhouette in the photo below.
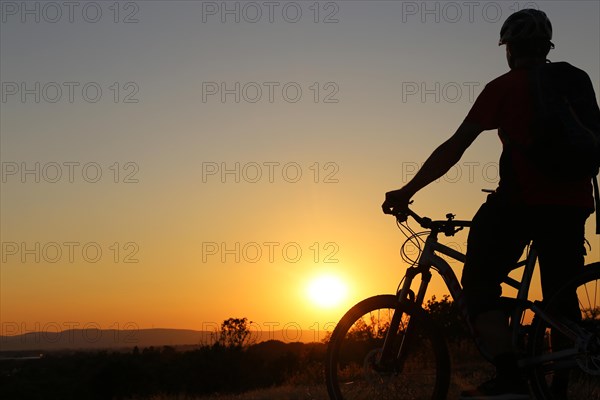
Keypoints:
(235, 332)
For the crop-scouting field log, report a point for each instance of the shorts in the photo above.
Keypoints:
(498, 236)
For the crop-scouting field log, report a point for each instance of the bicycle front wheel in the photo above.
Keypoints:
(571, 369)
(420, 366)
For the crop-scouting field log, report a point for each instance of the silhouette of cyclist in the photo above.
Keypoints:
(528, 203)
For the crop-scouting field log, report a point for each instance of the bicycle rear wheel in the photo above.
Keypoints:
(575, 376)
(353, 371)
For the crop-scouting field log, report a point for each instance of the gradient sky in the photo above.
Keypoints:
(362, 121)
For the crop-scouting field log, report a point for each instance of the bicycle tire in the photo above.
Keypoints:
(576, 377)
(356, 342)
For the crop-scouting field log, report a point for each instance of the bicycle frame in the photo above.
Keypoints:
(429, 259)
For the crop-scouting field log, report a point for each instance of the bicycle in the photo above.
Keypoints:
(388, 347)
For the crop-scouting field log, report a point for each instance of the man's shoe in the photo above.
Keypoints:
(499, 388)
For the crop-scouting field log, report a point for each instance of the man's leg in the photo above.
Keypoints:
(495, 244)
(559, 237)
(561, 255)
(496, 241)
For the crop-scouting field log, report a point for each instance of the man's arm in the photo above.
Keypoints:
(438, 163)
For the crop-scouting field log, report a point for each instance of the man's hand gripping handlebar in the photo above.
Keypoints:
(396, 203)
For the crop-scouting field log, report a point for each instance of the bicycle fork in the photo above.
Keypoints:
(390, 357)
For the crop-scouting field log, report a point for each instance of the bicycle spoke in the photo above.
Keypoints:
(355, 369)
(572, 368)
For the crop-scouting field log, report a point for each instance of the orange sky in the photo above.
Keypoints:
(159, 203)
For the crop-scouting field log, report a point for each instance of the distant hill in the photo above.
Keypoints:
(90, 339)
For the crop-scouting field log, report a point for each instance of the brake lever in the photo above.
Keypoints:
(401, 217)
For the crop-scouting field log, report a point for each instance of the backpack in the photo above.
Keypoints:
(566, 125)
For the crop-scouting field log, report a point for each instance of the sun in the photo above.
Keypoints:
(327, 291)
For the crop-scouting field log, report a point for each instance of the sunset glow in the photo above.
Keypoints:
(327, 291)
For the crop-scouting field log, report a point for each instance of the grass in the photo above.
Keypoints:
(286, 392)
(468, 370)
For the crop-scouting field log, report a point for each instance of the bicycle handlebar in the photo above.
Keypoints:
(449, 227)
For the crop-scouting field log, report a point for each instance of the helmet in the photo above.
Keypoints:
(524, 25)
